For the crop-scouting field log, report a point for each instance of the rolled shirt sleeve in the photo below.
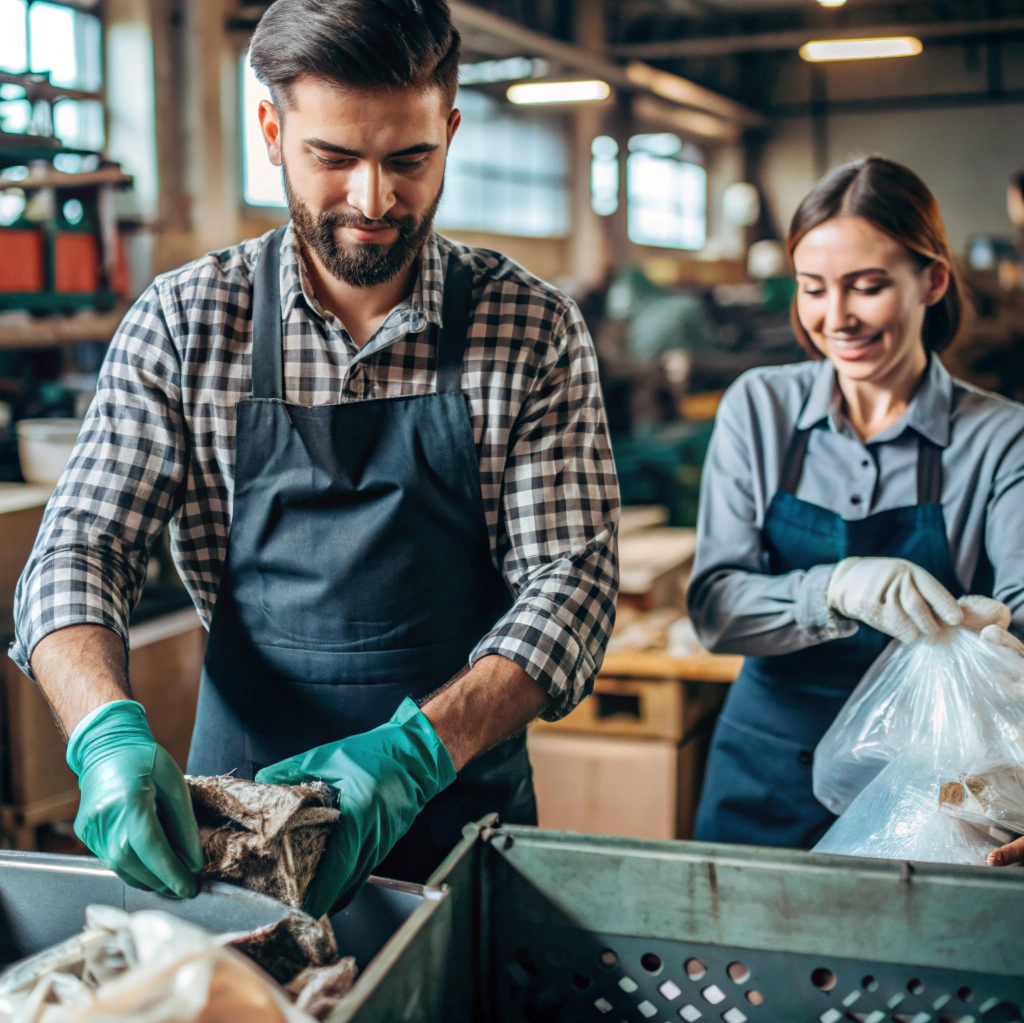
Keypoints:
(88, 564)
(736, 605)
(560, 512)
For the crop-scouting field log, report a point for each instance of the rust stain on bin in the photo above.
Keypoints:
(713, 883)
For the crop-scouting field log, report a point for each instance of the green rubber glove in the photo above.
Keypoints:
(383, 778)
(135, 812)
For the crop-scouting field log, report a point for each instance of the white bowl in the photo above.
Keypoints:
(44, 447)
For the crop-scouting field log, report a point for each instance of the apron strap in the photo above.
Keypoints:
(793, 465)
(929, 468)
(267, 332)
(453, 336)
(929, 472)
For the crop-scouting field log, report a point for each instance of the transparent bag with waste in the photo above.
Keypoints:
(939, 719)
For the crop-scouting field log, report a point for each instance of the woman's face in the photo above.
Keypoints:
(862, 297)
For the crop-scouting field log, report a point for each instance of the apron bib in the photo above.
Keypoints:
(758, 787)
(358, 573)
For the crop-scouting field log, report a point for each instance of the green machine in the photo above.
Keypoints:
(527, 925)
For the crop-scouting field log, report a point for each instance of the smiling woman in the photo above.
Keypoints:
(849, 500)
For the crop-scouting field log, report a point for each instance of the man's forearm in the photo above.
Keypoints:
(491, 701)
(79, 669)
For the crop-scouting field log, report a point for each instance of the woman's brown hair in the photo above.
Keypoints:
(895, 200)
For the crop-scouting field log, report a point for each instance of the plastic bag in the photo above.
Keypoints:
(934, 715)
(147, 967)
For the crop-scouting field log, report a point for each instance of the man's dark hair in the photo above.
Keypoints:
(1017, 181)
(365, 44)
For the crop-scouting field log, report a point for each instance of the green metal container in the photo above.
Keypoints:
(528, 925)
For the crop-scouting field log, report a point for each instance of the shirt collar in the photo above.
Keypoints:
(929, 412)
(423, 306)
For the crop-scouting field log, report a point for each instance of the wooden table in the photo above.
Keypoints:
(702, 667)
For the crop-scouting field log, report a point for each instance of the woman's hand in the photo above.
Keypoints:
(894, 596)
(1007, 855)
(990, 619)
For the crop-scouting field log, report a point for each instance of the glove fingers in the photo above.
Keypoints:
(287, 772)
(156, 855)
(982, 611)
(135, 873)
(919, 611)
(941, 602)
(1000, 637)
(177, 816)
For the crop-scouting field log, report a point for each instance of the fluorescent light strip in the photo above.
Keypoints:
(559, 92)
(860, 49)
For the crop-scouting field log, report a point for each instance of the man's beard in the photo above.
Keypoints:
(364, 264)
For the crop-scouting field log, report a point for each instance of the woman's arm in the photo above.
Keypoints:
(736, 606)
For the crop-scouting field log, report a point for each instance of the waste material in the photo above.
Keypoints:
(922, 760)
(991, 798)
(153, 967)
(290, 945)
(267, 838)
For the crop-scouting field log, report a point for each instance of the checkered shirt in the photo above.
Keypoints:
(158, 448)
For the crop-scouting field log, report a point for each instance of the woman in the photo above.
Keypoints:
(846, 500)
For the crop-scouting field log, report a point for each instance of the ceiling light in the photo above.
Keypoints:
(831, 3)
(860, 49)
(559, 92)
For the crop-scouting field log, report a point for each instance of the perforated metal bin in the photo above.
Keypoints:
(543, 926)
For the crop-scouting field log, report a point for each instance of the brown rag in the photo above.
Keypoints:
(267, 838)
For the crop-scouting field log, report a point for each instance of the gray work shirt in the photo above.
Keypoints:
(737, 607)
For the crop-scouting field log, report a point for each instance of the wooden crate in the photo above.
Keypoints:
(627, 761)
(635, 788)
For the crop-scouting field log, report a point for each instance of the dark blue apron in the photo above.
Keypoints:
(758, 780)
(358, 573)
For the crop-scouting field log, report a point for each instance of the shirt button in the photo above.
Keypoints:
(805, 756)
(865, 464)
(855, 499)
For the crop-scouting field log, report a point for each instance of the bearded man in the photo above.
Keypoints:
(384, 463)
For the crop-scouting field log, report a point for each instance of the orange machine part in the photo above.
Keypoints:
(22, 268)
(76, 263)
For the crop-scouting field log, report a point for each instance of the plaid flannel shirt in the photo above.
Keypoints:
(158, 448)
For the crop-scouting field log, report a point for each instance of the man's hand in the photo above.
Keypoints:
(1007, 855)
(135, 812)
(383, 778)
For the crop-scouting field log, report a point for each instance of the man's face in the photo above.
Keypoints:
(363, 173)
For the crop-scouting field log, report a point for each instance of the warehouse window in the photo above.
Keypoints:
(667, 189)
(67, 44)
(604, 175)
(507, 172)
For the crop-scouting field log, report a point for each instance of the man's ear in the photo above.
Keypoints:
(454, 120)
(270, 122)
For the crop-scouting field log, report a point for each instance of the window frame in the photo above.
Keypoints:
(95, 8)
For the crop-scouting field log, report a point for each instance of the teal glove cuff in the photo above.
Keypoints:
(99, 733)
(433, 751)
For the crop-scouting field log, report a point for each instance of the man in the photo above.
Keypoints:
(384, 463)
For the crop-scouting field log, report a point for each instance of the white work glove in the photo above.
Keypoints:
(894, 596)
(990, 618)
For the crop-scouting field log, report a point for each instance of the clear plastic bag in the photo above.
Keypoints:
(937, 720)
